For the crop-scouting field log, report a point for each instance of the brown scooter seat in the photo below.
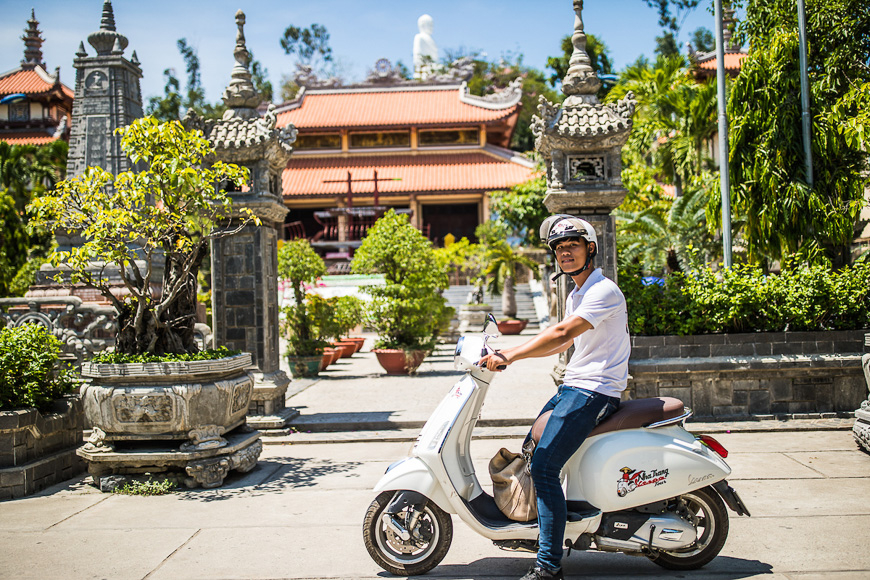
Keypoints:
(631, 415)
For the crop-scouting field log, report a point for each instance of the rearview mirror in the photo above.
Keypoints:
(490, 328)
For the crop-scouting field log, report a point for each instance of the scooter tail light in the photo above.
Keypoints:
(714, 445)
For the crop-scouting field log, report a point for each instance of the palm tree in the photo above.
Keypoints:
(669, 236)
(501, 261)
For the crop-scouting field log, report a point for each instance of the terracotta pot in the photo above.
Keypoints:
(329, 355)
(305, 366)
(346, 347)
(359, 340)
(512, 326)
(399, 362)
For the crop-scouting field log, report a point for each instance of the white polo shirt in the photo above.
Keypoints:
(600, 361)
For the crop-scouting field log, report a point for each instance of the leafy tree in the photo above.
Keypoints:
(703, 40)
(502, 261)
(170, 106)
(522, 208)
(309, 44)
(406, 310)
(26, 172)
(300, 266)
(137, 221)
(769, 184)
(599, 55)
(666, 45)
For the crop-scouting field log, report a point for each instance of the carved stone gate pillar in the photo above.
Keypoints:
(581, 144)
(245, 265)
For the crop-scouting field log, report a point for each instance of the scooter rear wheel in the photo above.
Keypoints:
(430, 538)
(707, 511)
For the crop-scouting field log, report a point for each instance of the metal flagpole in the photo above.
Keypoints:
(724, 182)
(805, 93)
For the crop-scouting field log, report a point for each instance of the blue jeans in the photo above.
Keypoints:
(576, 412)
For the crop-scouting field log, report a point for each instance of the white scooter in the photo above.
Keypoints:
(640, 484)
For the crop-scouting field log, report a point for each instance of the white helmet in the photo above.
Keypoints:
(559, 227)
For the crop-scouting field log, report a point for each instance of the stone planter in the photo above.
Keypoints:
(512, 326)
(753, 375)
(399, 362)
(472, 317)
(305, 366)
(38, 450)
(196, 403)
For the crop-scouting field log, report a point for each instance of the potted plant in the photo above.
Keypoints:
(348, 313)
(145, 233)
(300, 266)
(502, 261)
(41, 421)
(466, 258)
(405, 310)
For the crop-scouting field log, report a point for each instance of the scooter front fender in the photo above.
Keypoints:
(412, 474)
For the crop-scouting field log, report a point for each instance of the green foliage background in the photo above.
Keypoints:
(29, 376)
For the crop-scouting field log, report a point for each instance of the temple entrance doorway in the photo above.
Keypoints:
(460, 220)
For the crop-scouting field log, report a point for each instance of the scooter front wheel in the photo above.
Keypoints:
(705, 510)
(430, 531)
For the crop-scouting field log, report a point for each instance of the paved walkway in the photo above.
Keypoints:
(298, 514)
(355, 400)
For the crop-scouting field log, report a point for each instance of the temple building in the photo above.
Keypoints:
(429, 149)
(35, 107)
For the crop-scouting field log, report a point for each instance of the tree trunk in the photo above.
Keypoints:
(509, 298)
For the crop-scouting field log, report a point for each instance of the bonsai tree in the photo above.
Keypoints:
(165, 214)
(501, 261)
(309, 315)
(406, 310)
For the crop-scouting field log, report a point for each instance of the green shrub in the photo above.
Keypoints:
(406, 311)
(146, 488)
(300, 266)
(29, 376)
(744, 299)
(122, 358)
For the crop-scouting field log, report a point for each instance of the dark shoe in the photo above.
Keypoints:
(539, 573)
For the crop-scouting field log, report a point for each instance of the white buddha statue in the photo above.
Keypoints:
(425, 49)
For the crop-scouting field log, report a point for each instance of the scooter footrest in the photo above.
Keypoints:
(578, 516)
(581, 510)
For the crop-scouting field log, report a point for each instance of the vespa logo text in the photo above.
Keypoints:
(693, 479)
(632, 479)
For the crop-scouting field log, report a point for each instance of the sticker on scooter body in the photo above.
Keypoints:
(632, 479)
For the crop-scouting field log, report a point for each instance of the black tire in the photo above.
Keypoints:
(708, 510)
(407, 558)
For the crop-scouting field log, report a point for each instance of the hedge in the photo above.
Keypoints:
(745, 299)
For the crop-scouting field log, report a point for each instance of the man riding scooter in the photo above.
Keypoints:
(596, 324)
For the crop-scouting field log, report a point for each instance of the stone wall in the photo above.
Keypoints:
(38, 450)
(761, 375)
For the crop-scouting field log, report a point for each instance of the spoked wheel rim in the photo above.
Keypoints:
(424, 539)
(701, 514)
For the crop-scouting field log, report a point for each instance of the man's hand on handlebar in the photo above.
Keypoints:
(495, 361)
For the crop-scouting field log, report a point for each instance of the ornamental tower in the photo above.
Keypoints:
(107, 96)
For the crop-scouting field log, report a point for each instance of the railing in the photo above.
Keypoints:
(83, 328)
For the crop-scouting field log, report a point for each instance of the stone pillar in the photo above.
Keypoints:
(861, 428)
(581, 143)
(245, 265)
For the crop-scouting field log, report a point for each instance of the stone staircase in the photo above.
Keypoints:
(458, 295)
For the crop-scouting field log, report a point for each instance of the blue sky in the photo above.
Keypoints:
(361, 31)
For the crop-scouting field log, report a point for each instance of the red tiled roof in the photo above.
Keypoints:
(29, 82)
(27, 138)
(387, 108)
(419, 173)
(733, 61)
